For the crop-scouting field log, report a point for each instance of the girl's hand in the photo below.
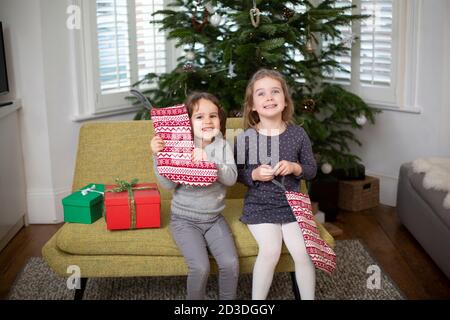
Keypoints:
(157, 144)
(263, 173)
(284, 168)
(198, 154)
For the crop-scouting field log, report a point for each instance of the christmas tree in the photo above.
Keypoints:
(226, 42)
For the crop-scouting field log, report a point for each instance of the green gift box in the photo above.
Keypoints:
(84, 205)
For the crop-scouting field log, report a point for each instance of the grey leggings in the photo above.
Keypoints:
(193, 237)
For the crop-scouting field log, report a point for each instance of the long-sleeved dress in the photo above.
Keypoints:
(265, 202)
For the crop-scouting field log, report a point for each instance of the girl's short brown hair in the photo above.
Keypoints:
(251, 118)
(193, 99)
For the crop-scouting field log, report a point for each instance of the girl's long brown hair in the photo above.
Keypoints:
(193, 99)
(251, 118)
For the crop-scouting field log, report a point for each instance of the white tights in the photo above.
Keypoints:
(269, 237)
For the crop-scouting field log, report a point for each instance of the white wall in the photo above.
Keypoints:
(26, 49)
(12, 178)
(40, 58)
(401, 137)
(445, 86)
(42, 76)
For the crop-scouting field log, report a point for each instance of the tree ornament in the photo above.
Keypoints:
(326, 168)
(188, 67)
(231, 74)
(216, 19)
(307, 105)
(309, 45)
(190, 55)
(361, 120)
(288, 13)
(254, 15)
(199, 26)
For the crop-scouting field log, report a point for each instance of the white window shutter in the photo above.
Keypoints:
(113, 45)
(344, 60)
(151, 43)
(373, 61)
(296, 54)
(129, 46)
(376, 43)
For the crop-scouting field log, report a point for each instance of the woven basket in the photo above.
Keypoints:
(357, 195)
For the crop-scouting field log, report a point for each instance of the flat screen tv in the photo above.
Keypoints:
(4, 88)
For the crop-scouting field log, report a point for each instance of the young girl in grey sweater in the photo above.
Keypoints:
(197, 224)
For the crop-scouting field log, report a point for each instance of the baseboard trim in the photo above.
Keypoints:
(44, 206)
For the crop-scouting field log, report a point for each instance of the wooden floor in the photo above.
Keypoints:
(397, 252)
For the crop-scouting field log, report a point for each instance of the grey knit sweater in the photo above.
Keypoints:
(204, 203)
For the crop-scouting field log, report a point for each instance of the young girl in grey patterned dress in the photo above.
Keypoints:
(272, 147)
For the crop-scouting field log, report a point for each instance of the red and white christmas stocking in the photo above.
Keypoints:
(175, 160)
(321, 254)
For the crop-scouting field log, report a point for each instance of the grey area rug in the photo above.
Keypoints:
(354, 278)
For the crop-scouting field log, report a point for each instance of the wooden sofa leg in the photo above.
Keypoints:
(80, 292)
(295, 287)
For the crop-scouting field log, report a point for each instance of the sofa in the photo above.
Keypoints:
(107, 150)
(422, 212)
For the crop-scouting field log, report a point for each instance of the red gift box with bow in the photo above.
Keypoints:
(137, 207)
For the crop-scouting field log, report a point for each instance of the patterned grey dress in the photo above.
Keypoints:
(265, 202)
